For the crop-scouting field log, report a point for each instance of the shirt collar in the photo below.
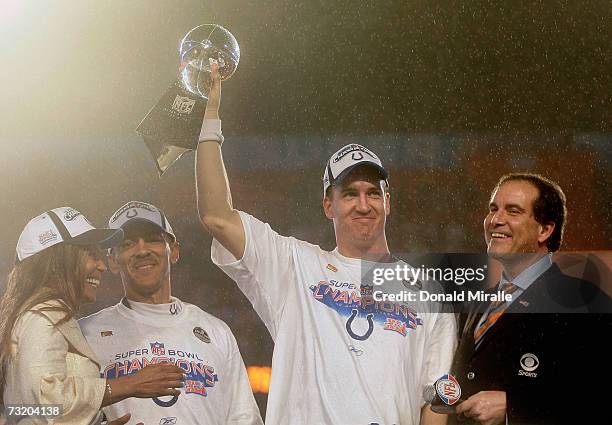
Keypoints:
(365, 264)
(347, 261)
(530, 274)
(173, 308)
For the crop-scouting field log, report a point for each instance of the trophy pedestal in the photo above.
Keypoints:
(172, 126)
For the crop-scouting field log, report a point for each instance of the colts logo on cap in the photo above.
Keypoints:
(131, 213)
(358, 149)
(448, 389)
(131, 210)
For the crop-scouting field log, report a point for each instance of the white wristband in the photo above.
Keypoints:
(211, 131)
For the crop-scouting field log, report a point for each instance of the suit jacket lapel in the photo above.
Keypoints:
(467, 337)
(536, 297)
(70, 330)
(524, 304)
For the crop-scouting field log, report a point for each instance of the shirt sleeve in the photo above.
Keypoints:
(43, 377)
(441, 345)
(265, 273)
(242, 409)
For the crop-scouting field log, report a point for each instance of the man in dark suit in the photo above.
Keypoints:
(534, 359)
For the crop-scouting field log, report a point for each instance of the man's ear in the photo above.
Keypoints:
(388, 201)
(327, 207)
(113, 266)
(545, 232)
(174, 252)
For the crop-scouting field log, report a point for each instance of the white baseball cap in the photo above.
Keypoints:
(136, 210)
(63, 224)
(342, 162)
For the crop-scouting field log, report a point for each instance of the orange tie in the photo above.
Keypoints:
(496, 309)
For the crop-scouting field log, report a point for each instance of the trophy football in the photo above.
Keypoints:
(172, 126)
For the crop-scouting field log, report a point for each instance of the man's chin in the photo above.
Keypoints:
(145, 288)
(511, 258)
(500, 255)
(364, 237)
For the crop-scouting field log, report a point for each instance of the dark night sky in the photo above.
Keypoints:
(432, 85)
(92, 68)
(441, 84)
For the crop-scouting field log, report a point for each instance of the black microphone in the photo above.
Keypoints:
(443, 394)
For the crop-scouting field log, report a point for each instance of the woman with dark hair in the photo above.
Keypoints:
(44, 358)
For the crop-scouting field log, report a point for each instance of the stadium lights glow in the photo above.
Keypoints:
(259, 377)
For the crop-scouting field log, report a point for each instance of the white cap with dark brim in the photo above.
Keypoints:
(63, 224)
(140, 211)
(346, 159)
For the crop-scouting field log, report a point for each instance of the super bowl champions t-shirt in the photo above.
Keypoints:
(130, 335)
(338, 360)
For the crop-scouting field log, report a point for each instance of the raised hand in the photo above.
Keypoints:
(214, 96)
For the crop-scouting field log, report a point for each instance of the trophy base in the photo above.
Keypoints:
(172, 126)
(164, 155)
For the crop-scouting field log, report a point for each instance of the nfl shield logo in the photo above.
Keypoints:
(157, 348)
(183, 105)
(448, 389)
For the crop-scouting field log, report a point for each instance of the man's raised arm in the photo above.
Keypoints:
(212, 186)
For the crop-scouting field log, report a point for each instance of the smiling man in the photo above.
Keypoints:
(340, 358)
(151, 326)
(533, 359)
(521, 226)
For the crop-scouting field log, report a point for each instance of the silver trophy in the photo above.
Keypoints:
(201, 47)
(172, 126)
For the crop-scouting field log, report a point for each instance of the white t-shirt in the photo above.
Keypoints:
(334, 362)
(129, 335)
